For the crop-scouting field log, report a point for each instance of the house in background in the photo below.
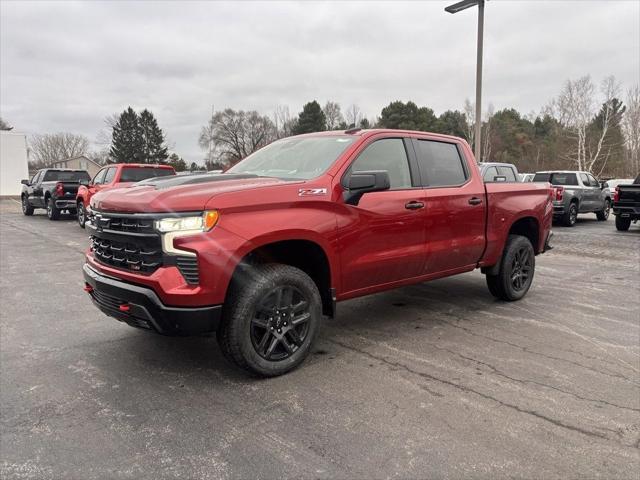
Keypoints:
(79, 163)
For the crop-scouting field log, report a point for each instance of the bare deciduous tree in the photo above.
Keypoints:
(470, 116)
(353, 116)
(333, 115)
(575, 109)
(49, 148)
(236, 134)
(631, 129)
(282, 121)
(486, 135)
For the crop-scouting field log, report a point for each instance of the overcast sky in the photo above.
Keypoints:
(65, 66)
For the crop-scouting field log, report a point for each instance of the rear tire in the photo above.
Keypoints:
(53, 213)
(270, 319)
(622, 224)
(82, 214)
(603, 215)
(570, 217)
(26, 208)
(516, 270)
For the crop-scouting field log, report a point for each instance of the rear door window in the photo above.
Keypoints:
(508, 173)
(490, 174)
(440, 164)
(110, 175)
(136, 174)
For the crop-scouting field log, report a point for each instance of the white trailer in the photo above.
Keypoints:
(13, 163)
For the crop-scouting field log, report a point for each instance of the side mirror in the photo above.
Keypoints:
(360, 183)
(500, 178)
(24, 182)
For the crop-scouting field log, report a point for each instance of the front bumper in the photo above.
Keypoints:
(140, 307)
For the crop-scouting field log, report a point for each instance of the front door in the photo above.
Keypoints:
(382, 237)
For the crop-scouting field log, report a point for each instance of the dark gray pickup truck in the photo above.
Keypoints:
(54, 189)
(626, 204)
(576, 192)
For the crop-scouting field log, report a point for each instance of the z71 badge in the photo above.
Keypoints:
(308, 192)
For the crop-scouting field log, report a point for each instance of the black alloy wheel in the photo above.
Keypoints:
(521, 269)
(280, 323)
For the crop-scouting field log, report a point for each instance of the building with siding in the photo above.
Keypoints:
(79, 163)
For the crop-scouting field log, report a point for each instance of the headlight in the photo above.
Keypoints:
(200, 223)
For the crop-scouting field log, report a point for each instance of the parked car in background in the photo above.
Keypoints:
(614, 182)
(115, 176)
(498, 172)
(526, 177)
(259, 253)
(54, 189)
(576, 192)
(626, 204)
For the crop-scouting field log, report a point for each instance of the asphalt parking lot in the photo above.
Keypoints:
(431, 381)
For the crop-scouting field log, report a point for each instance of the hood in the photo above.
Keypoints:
(187, 193)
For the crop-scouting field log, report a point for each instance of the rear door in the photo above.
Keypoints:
(588, 202)
(33, 188)
(455, 213)
(383, 241)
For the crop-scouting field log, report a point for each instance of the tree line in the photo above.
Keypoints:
(586, 126)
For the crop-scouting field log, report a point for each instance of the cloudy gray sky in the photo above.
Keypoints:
(64, 66)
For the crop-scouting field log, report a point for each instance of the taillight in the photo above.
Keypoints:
(59, 189)
(616, 194)
(559, 193)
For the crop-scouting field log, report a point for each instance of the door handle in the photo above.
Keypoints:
(475, 201)
(414, 205)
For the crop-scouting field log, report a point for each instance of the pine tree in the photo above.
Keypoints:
(152, 139)
(127, 144)
(311, 119)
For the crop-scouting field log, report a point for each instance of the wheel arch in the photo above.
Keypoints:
(304, 253)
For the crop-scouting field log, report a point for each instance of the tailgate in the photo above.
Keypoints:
(629, 194)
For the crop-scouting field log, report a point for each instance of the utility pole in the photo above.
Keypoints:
(455, 8)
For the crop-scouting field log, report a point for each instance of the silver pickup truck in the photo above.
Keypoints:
(576, 192)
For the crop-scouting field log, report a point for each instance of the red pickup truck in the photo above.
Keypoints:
(258, 254)
(116, 176)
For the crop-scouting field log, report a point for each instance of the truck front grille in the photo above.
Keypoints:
(130, 253)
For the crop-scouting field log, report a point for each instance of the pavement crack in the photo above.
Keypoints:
(467, 389)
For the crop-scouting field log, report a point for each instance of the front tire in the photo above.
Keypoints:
(622, 224)
(270, 319)
(603, 214)
(53, 213)
(26, 208)
(82, 214)
(570, 217)
(516, 270)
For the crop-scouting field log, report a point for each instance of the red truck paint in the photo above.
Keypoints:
(375, 246)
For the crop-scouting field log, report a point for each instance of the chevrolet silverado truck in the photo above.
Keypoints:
(116, 176)
(54, 189)
(576, 192)
(626, 204)
(260, 253)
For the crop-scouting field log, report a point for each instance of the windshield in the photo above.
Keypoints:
(556, 178)
(295, 157)
(135, 174)
(65, 176)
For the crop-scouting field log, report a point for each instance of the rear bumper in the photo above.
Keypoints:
(66, 203)
(140, 307)
(631, 211)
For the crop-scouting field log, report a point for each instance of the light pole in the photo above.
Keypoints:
(455, 8)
